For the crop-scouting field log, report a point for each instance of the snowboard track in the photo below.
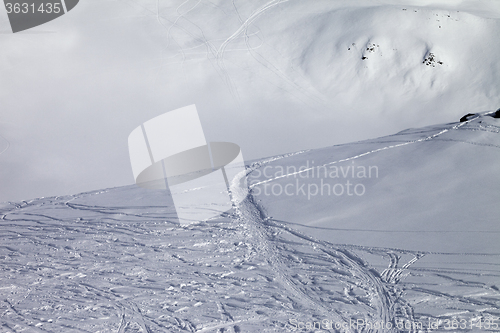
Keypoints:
(82, 263)
(388, 304)
(385, 304)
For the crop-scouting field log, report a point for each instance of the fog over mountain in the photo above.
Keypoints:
(369, 197)
(271, 76)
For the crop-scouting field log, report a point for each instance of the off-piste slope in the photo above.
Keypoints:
(254, 68)
(316, 67)
(117, 260)
(426, 199)
(432, 188)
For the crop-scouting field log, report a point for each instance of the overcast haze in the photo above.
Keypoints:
(279, 80)
(365, 198)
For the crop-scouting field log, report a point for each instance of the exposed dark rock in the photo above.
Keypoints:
(467, 117)
(430, 60)
(496, 114)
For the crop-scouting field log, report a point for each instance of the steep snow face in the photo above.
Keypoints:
(334, 72)
(393, 60)
(391, 258)
(429, 195)
(272, 76)
(433, 188)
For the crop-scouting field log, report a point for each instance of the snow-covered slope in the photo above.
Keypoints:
(418, 246)
(435, 187)
(272, 76)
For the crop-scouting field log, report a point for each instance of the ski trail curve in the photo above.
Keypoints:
(252, 216)
(379, 303)
(241, 30)
(386, 304)
(8, 145)
(431, 137)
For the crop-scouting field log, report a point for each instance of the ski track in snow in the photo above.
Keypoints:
(431, 137)
(216, 55)
(391, 306)
(241, 30)
(362, 284)
(7, 146)
(83, 264)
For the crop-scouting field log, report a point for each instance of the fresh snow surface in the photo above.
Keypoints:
(420, 245)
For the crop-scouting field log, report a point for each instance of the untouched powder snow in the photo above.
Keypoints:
(419, 247)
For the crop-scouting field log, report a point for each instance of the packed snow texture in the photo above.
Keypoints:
(419, 248)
